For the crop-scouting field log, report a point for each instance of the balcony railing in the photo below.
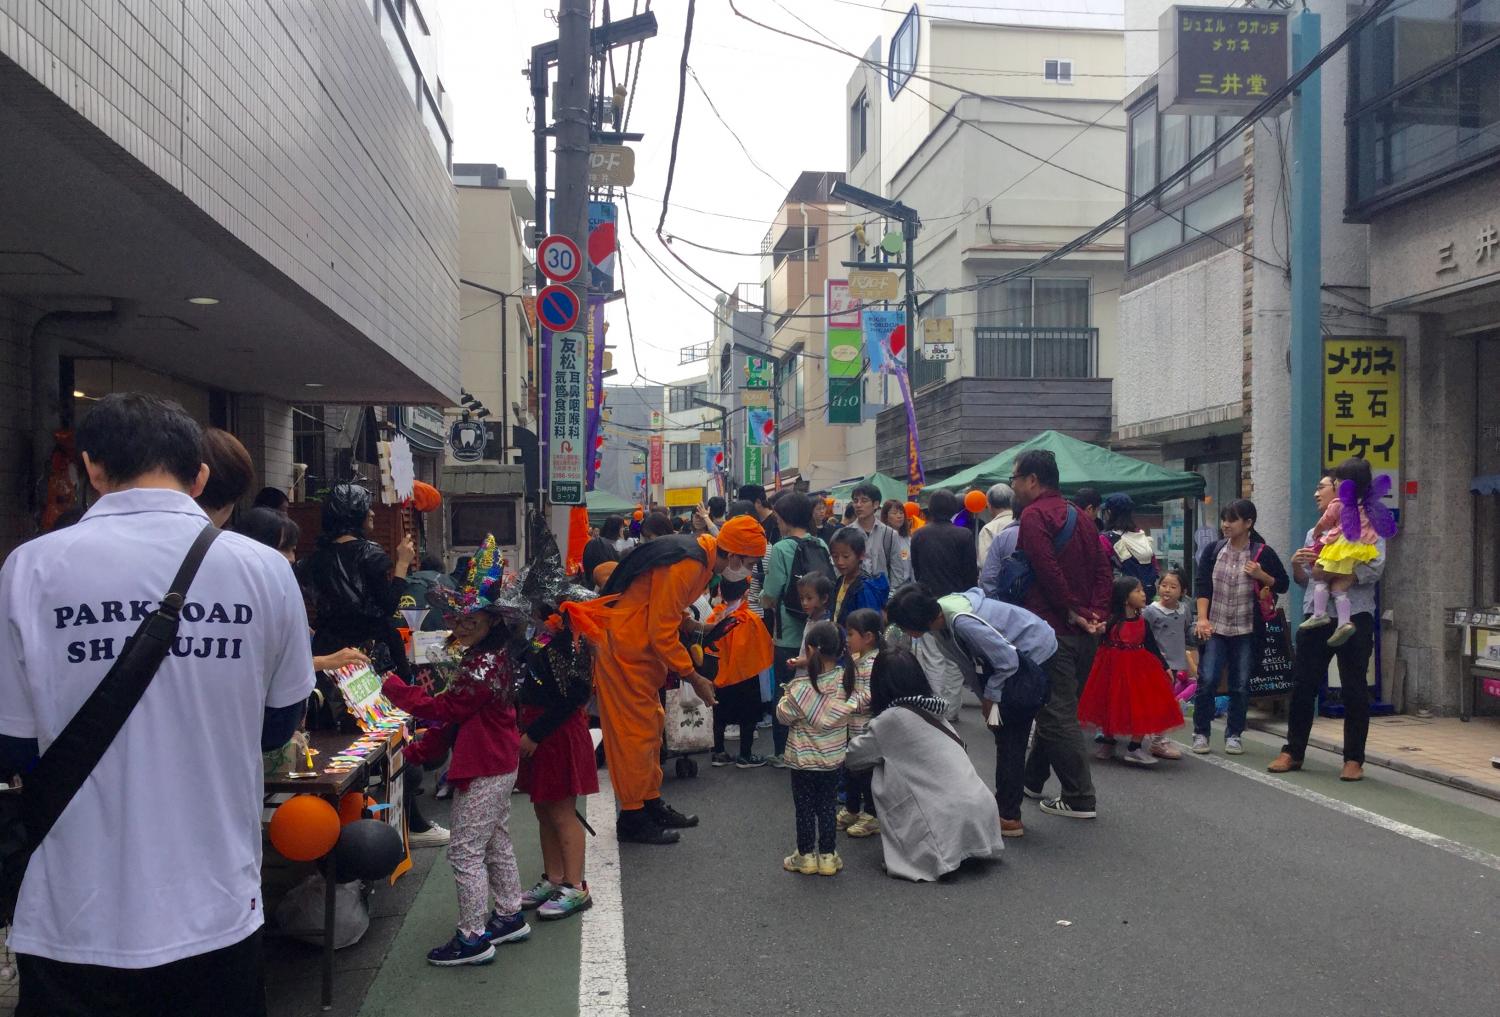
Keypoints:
(1020, 352)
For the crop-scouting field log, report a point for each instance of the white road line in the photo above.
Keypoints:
(1427, 837)
(602, 989)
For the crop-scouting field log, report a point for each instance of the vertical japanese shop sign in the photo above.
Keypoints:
(567, 450)
(754, 471)
(1221, 59)
(1362, 406)
(655, 468)
(594, 390)
(845, 356)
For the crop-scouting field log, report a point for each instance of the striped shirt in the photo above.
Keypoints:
(819, 720)
(864, 664)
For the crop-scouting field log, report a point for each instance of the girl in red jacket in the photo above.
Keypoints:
(476, 714)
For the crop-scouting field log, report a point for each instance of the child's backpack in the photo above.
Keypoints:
(810, 558)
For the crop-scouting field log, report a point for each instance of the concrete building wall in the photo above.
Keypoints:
(287, 123)
(491, 251)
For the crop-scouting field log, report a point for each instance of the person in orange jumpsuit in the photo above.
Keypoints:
(636, 629)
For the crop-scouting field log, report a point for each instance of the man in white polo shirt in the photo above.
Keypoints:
(145, 896)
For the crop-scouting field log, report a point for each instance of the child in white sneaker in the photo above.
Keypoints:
(1172, 625)
(815, 707)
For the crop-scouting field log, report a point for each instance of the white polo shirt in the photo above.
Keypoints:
(158, 856)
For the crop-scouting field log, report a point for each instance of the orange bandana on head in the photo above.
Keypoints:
(742, 535)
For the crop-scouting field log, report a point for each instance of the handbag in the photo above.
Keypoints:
(689, 721)
(27, 816)
(1265, 600)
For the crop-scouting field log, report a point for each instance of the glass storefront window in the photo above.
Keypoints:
(1149, 241)
(1143, 151)
(1214, 209)
(1174, 151)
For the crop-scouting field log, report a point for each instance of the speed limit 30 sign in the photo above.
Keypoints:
(559, 259)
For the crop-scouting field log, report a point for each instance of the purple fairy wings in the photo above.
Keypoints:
(1374, 509)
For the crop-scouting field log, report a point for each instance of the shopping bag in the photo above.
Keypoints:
(689, 726)
(1274, 672)
(300, 913)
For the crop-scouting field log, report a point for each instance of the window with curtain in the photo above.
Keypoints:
(686, 455)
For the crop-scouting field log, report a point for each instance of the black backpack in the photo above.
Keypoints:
(809, 559)
(1016, 575)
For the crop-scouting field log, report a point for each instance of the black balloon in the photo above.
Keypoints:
(368, 849)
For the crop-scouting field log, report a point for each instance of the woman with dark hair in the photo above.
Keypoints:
(1237, 575)
(230, 474)
(935, 811)
(273, 498)
(1132, 552)
(272, 529)
(898, 569)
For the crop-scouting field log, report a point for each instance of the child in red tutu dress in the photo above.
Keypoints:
(1128, 692)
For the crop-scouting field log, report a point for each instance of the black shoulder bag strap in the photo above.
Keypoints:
(68, 761)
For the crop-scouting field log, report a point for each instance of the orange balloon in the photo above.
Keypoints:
(425, 497)
(975, 501)
(828, 502)
(912, 509)
(638, 515)
(352, 807)
(304, 828)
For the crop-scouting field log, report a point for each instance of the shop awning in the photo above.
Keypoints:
(607, 503)
(889, 486)
(1081, 465)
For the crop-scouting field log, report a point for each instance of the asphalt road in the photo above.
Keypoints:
(1197, 891)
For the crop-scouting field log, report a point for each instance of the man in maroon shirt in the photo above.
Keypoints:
(1070, 592)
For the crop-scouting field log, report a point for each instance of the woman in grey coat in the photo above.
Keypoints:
(935, 811)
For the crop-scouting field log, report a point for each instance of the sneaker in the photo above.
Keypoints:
(444, 790)
(830, 864)
(732, 731)
(1315, 621)
(720, 759)
(865, 826)
(1341, 635)
(750, 762)
(570, 900)
(1012, 828)
(798, 862)
(462, 950)
(666, 816)
(1161, 748)
(433, 836)
(1058, 807)
(1034, 795)
(764, 723)
(541, 893)
(1138, 756)
(778, 761)
(1200, 745)
(506, 928)
(844, 819)
(1104, 750)
(1233, 746)
(636, 827)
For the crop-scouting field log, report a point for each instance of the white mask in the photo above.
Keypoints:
(736, 573)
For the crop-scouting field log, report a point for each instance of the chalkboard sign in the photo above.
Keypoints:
(1274, 673)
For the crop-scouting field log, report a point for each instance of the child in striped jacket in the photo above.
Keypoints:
(815, 707)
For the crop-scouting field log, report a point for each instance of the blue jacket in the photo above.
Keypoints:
(867, 591)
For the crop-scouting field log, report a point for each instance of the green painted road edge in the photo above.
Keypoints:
(537, 977)
(1470, 827)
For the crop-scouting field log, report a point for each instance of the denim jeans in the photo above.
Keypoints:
(1238, 654)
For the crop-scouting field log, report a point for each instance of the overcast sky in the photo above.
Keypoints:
(784, 98)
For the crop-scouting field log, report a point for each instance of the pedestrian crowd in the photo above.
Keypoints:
(854, 642)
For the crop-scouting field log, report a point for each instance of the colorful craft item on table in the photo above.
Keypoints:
(304, 828)
(363, 699)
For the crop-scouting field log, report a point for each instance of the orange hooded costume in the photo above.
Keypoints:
(635, 632)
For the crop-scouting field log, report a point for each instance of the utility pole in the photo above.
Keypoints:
(1306, 355)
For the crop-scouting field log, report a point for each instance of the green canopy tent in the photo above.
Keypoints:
(603, 503)
(890, 488)
(1080, 464)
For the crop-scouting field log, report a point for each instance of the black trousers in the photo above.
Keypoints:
(815, 797)
(224, 983)
(1059, 746)
(1010, 761)
(1311, 666)
(738, 704)
(858, 794)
